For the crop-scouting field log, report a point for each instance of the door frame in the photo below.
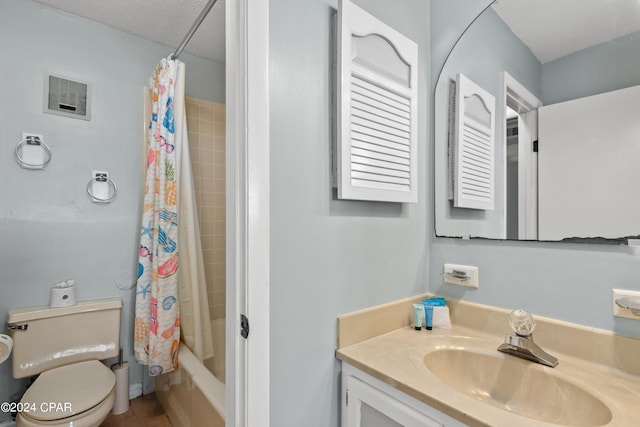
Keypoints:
(520, 99)
(247, 212)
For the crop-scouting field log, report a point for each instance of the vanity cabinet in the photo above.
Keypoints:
(369, 402)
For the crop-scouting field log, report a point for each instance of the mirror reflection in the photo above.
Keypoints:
(566, 138)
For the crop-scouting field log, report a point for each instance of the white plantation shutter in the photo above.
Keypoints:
(376, 156)
(472, 145)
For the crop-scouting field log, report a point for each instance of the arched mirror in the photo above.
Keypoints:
(563, 161)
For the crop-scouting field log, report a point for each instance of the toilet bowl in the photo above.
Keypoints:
(64, 346)
(82, 393)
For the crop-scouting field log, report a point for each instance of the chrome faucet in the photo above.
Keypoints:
(521, 344)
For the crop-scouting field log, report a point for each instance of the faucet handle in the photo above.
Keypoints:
(522, 323)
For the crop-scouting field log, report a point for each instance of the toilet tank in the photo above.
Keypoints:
(45, 338)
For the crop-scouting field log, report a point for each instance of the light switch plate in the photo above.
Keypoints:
(463, 275)
(624, 312)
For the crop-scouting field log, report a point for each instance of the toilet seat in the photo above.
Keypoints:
(68, 391)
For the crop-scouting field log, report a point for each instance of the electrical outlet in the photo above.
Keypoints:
(463, 275)
(623, 312)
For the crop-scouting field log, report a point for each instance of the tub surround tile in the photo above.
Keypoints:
(206, 127)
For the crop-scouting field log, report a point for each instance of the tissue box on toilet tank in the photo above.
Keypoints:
(62, 295)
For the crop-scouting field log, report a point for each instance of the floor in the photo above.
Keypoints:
(143, 411)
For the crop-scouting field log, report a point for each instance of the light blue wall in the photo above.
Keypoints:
(329, 256)
(565, 281)
(49, 229)
(603, 68)
(487, 49)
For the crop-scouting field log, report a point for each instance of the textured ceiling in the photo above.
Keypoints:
(162, 21)
(551, 28)
(555, 28)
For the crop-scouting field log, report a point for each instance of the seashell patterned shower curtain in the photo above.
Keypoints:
(157, 316)
(171, 302)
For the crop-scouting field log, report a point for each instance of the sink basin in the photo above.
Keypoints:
(518, 386)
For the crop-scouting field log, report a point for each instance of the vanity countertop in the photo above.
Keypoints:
(398, 359)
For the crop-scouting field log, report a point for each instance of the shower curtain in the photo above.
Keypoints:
(169, 300)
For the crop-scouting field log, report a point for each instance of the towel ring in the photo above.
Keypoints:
(97, 199)
(32, 141)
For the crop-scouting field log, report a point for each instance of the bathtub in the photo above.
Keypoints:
(193, 396)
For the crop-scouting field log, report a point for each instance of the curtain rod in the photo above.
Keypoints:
(193, 28)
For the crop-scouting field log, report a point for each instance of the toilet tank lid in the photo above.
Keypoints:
(20, 315)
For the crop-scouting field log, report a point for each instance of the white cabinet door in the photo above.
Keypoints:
(368, 402)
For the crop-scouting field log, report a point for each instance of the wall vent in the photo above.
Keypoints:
(66, 97)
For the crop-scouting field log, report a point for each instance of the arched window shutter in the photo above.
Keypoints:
(471, 145)
(376, 120)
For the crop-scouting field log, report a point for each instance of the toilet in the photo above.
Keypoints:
(65, 346)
